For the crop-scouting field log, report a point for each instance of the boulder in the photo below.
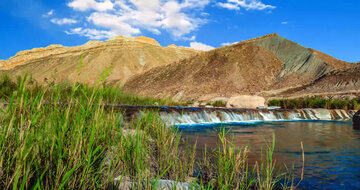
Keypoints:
(356, 120)
(245, 101)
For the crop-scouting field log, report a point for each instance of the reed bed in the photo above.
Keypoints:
(82, 145)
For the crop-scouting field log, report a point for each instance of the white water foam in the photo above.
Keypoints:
(204, 117)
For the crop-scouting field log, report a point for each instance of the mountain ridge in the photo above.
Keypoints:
(268, 66)
(293, 67)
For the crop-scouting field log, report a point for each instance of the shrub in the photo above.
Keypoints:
(219, 103)
(316, 102)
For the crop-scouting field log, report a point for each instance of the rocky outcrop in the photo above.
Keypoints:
(123, 56)
(245, 101)
(356, 120)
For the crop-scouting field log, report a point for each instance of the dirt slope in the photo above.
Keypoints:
(267, 66)
(124, 56)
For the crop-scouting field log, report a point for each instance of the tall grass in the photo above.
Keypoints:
(68, 147)
(81, 145)
(109, 94)
(227, 167)
(317, 102)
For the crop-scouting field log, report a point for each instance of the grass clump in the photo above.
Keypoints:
(317, 102)
(219, 103)
(227, 167)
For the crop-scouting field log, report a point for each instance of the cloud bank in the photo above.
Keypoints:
(132, 17)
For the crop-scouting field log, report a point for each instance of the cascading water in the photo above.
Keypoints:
(233, 116)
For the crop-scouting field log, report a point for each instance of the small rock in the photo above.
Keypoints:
(125, 183)
(169, 185)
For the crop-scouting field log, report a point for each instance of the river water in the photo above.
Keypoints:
(332, 148)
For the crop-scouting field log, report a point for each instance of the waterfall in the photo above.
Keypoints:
(234, 116)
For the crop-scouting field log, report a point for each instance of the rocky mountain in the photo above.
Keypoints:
(267, 66)
(123, 56)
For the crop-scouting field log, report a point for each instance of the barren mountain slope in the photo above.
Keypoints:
(238, 69)
(301, 65)
(267, 66)
(342, 83)
(122, 55)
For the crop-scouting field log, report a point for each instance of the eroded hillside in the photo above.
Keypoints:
(123, 56)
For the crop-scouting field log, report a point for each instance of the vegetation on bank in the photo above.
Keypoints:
(83, 146)
(317, 102)
(110, 94)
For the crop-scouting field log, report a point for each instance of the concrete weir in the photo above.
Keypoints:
(184, 116)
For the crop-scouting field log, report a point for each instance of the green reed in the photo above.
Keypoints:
(47, 144)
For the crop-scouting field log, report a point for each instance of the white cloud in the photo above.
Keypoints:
(116, 24)
(130, 17)
(91, 33)
(48, 14)
(228, 43)
(63, 21)
(86, 5)
(284, 22)
(245, 4)
(200, 46)
(177, 22)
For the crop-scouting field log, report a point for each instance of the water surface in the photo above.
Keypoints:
(332, 149)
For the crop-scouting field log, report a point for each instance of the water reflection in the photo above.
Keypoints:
(332, 151)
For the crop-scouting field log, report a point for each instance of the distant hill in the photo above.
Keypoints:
(124, 56)
(268, 66)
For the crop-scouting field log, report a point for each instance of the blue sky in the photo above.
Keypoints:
(331, 26)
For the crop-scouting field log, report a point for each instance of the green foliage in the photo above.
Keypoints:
(7, 87)
(219, 103)
(110, 94)
(316, 102)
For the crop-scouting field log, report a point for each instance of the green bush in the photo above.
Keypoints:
(219, 103)
(316, 102)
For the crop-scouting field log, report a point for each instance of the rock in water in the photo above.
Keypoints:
(356, 120)
(245, 101)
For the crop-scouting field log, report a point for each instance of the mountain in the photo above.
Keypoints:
(124, 56)
(268, 66)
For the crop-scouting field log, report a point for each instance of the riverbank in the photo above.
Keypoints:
(82, 145)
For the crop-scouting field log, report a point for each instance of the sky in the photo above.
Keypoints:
(330, 26)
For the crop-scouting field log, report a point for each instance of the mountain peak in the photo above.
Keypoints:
(273, 35)
(142, 39)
